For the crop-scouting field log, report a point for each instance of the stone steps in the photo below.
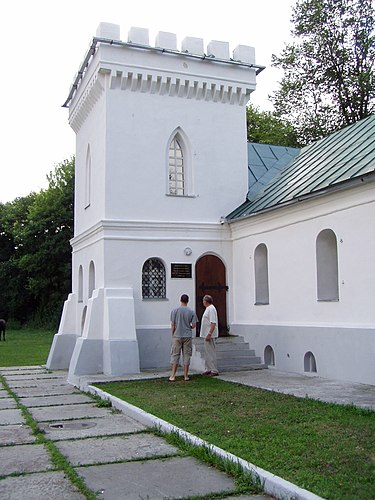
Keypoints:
(233, 354)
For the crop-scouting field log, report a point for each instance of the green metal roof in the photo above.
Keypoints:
(264, 163)
(341, 157)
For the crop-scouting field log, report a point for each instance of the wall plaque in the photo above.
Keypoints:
(181, 270)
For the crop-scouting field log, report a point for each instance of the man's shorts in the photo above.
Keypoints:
(184, 345)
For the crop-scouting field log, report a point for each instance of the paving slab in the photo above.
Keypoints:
(115, 449)
(3, 393)
(33, 383)
(39, 486)
(15, 434)
(55, 390)
(14, 384)
(177, 477)
(31, 373)
(69, 412)
(7, 403)
(11, 416)
(20, 368)
(24, 458)
(60, 399)
(36, 377)
(329, 391)
(105, 426)
(251, 497)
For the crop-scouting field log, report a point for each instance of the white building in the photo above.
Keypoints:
(161, 161)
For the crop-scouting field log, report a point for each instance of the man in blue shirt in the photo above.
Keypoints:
(183, 322)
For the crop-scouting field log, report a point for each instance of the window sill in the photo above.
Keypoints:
(327, 300)
(261, 303)
(181, 195)
(156, 299)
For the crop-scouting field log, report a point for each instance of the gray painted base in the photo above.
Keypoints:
(111, 357)
(120, 357)
(61, 351)
(339, 353)
(154, 348)
(87, 358)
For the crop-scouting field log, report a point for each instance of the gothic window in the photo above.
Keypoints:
(327, 266)
(153, 279)
(261, 275)
(88, 179)
(80, 284)
(176, 174)
(91, 279)
(83, 319)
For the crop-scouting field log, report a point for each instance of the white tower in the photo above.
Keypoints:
(161, 156)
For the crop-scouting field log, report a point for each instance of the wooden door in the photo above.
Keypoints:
(210, 279)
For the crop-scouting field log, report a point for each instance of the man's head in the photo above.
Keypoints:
(207, 300)
(184, 298)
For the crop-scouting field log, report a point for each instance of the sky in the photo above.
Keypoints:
(44, 42)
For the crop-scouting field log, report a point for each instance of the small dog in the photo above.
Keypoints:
(2, 328)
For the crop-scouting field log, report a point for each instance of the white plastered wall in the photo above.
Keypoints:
(340, 334)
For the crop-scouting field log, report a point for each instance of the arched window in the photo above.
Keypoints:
(88, 178)
(83, 319)
(261, 275)
(327, 266)
(269, 356)
(80, 284)
(153, 279)
(309, 362)
(176, 167)
(91, 279)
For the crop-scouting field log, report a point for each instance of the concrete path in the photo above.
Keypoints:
(329, 391)
(115, 455)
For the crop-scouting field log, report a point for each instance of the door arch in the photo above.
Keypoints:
(210, 279)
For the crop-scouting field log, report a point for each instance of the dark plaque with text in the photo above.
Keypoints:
(181, 271)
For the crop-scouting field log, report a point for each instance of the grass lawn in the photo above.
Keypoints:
(325, 448)
(25, 347)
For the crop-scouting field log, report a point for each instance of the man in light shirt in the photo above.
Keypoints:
(210, 331)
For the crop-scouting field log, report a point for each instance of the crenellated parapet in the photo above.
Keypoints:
(190, 72)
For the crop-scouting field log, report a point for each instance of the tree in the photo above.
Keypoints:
(35, 253)
(328, 77)
(47, 255)
(16, 301)
(266, 128)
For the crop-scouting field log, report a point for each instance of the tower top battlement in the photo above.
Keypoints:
(165, 42)
(189, 45)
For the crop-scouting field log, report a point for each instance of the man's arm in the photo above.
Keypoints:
(212, 328)
(173, 328)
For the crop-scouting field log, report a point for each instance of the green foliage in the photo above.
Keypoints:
(329, 77)
(266, 128)
(35, 254)
(15, 299)
(325, 448)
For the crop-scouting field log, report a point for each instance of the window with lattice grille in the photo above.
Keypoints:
(153, 279)
(176, 169)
